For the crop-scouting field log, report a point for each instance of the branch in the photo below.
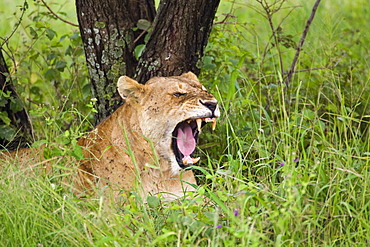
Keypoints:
(227, 15)
(23, 9)
(276, 39)
(141, 34)
(301, 42)
(306, 70)
(270, 10)
(57, 16)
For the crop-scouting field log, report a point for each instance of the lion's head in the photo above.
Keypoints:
(172, 111)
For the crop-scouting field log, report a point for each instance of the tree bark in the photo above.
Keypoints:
(178, 38)
(177, 41)
(17, 132)
(106, 29)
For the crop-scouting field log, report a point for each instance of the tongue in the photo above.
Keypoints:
(185, 139)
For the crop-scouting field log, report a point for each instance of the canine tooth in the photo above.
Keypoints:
(195, 160)
(189, 121)
(214, 124)
(199, 123)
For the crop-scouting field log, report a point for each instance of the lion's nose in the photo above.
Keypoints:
(212, 105)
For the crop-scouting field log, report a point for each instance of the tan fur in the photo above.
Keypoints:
(131, 149)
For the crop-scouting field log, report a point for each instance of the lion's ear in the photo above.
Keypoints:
(190, 75)
(129, 87)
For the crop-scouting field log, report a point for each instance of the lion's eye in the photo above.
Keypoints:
(179, 94)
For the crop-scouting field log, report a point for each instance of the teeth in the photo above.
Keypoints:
(214, 124)
(207, 120)
(189, 160)
(213, 120)
(199, 123)
(195, 160)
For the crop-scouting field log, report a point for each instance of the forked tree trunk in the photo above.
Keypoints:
(177, 40)
(15, 125)
(179, 34)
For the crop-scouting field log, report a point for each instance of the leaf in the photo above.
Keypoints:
(33, 33)
(77, 152)
(41, 24)
(35, 90)
(51, 56)
(161, 238)
(60, 65)
(69, 50)
(39, 143)
(62, 38)
(6, 132)
(310, 115)
(51, 74)
(220, 203)
(74, 36)
(332, 108)
(55, 151)
(209, 66)
(143, 24)
(232, 84)
(16, 105)
(5, 94)
(4, 117)
(139, 50)
(208, 63)
(86, 90)
(3, 102)
(50, 33)
(153, 201)
(63, 140)
(208, 59)
(4, 98)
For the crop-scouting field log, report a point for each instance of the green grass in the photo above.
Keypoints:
(283, 168)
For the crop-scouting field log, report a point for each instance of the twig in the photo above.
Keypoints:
(23, 9)
(224, 20)
(269, 11)
(276, 39)
(305, 70)
(141, 34)
(9, 54)
(231, 23)
(300, 44)
(57, 16)
(34, 102)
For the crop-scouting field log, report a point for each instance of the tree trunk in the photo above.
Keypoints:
(109, 39)
(15, 125)
(178, 38)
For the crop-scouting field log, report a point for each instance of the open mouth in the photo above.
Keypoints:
(185, 137)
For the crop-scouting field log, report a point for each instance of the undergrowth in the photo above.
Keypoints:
(285, 166)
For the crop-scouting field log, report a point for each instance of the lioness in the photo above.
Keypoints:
(150, 139)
